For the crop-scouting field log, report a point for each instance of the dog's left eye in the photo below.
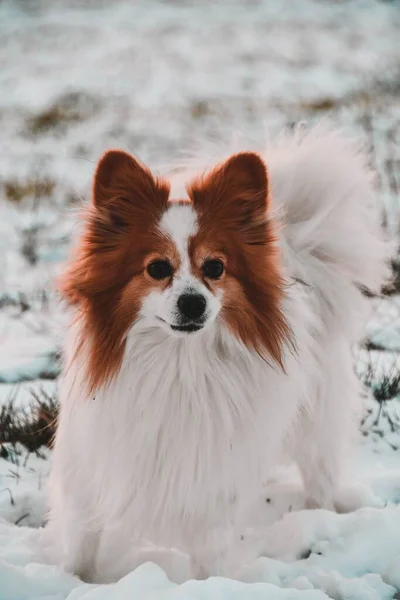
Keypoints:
(159, 269)
(213, 268)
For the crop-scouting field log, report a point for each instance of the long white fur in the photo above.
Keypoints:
(173, 450)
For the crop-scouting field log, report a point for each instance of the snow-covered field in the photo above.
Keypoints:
(153, 77)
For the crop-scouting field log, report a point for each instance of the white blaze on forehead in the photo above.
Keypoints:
(179, 222)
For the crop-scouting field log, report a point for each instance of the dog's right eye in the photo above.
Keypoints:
(159, 269)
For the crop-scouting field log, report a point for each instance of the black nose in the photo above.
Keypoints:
(192, 306)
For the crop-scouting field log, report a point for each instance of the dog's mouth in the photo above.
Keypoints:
(187, 328)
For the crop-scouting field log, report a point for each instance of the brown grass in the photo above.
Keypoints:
(67, 110)
(16, 191)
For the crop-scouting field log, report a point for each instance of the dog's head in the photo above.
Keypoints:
(180, 265)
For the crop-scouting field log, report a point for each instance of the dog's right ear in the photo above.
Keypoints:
(126, 198)
(122, 185)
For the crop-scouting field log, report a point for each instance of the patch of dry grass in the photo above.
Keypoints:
(17, 191)
(32, 429)
(67, 110)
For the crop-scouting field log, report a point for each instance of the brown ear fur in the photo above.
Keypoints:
(126, 197)
(237, 194)
(120, 176)
(232, 203)
(119, 229)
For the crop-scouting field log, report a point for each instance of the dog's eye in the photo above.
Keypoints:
(159, 269)
(213, 268)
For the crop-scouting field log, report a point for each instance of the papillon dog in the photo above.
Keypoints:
(211, 338)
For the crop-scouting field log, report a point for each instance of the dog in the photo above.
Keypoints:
(211, 336)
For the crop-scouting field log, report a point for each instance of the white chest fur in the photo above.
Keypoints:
(185, 427)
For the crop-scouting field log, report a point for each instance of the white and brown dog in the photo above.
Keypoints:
(211, 337)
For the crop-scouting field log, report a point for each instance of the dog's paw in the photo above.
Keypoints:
(356, 495)
(174, 562)
(347, 498)
(325, 503)
(283, 540)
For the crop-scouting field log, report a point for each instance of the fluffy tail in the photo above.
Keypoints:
(334, 242)
(332, 230)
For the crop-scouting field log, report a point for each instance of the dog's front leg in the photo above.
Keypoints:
(216, 551)
(69, 544)
(79, 552)
(209, 553)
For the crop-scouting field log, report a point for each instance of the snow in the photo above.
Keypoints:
(312, 553)
(384, 329)
(350, 556)
(77, 78)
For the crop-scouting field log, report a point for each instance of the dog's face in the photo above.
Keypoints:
(177, 265)
(185, 278)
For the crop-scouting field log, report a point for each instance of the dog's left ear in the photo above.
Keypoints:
(121, 182)
(236, 193)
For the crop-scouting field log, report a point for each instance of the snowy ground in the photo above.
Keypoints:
(152, 77)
